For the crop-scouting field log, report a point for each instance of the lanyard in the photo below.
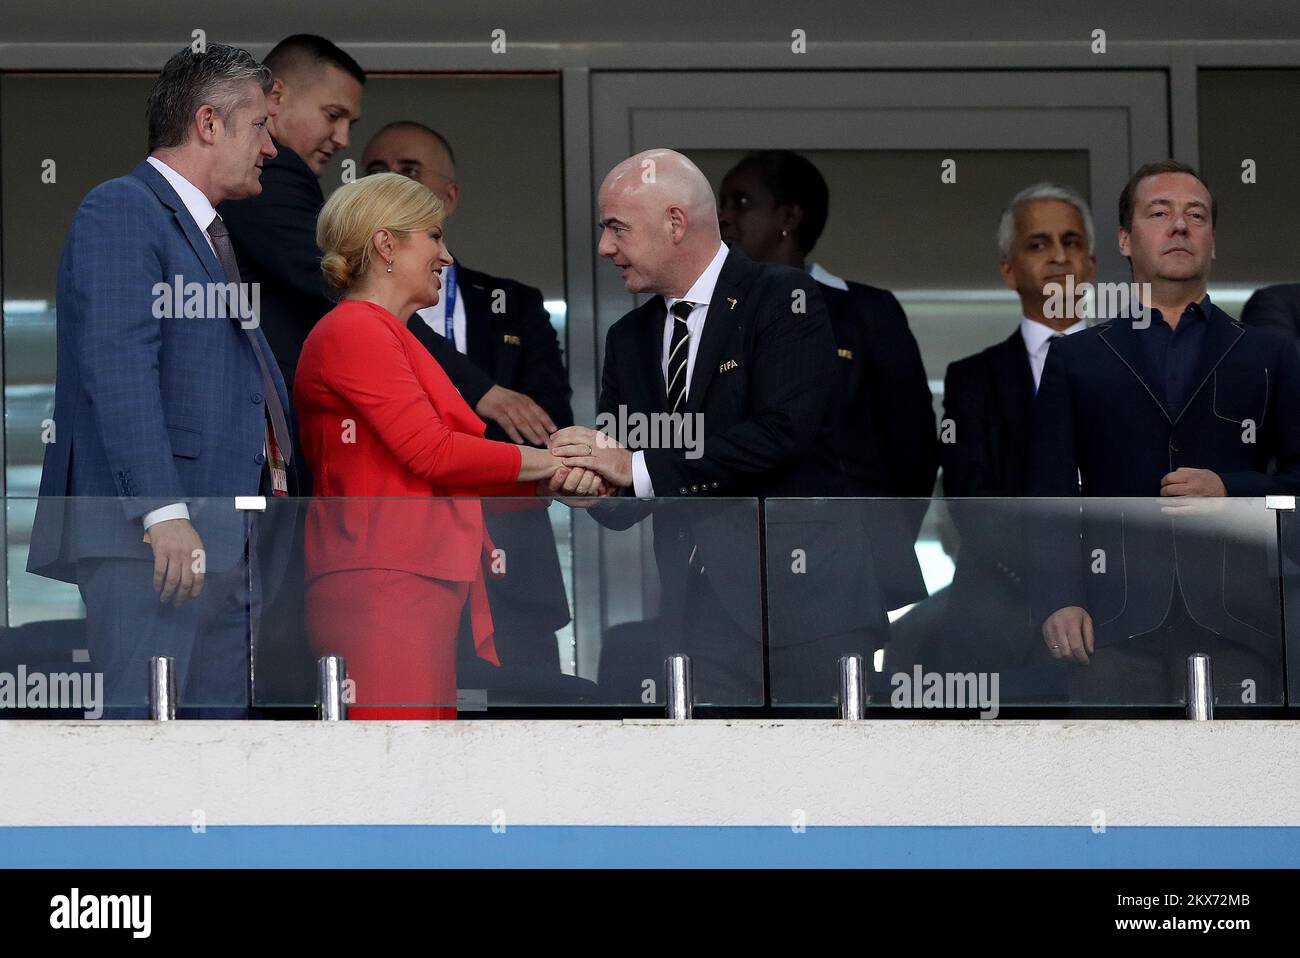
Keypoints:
(449, 300)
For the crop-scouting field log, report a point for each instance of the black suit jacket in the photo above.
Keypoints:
(1274, 309)
(1098, 417)
(884, 428)
(988, 399)
(988, 404)
(511, 343)
(274, 235)
(764, 384)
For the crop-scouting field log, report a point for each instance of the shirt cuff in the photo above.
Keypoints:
(177, 510)
(641, 484)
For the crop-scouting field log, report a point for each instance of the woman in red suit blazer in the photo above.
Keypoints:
(391, 560)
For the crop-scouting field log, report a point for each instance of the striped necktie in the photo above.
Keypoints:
(679, 349)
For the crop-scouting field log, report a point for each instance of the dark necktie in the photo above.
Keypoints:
(679, 349)
(1050, 340)
(220, 237)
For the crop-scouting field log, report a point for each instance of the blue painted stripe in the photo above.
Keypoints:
(574, 846)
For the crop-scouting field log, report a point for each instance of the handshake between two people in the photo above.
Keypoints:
(582, 463)
(591, 463)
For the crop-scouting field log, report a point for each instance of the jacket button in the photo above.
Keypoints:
(715, 485)
(683, 490)
(695, 488)
(259, 458)
(256, 398)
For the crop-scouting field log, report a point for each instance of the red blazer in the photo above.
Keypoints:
(379, 419)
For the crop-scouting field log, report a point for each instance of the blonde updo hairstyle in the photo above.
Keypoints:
(350, 217)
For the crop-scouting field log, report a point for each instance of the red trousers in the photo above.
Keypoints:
(397, 632)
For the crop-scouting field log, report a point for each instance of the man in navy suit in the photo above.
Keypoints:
(158, 404)
(491, 333)
(1173, 400)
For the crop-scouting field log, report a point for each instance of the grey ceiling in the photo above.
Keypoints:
(615, 21)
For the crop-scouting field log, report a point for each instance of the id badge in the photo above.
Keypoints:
(279, 470)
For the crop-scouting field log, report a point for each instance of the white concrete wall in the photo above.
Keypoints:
(650, 773)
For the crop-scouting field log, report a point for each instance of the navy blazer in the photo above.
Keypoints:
(149, 410)
(1098, 419)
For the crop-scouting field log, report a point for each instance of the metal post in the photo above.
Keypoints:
(681, 694)
(162, 688)
(852, 701)
(331, 673)
(1200, 687)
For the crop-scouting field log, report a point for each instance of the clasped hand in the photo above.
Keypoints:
(591, 463)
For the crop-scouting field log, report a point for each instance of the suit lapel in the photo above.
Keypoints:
(167, 196)
(1221, 334)
(719, 322)
(649, 353)
(478, 317)
(1014, 381)
(1122, 340)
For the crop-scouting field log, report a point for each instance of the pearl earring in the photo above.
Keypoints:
(784, 233)
(390, 266)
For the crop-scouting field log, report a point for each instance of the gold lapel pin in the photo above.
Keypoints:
(732, 302)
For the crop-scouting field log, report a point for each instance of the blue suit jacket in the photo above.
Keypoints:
(148, 409)
(1098, 415)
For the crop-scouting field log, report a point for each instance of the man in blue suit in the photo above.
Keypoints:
(166, 392)
(1176, 407)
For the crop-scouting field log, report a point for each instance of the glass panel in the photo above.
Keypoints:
(95, 615)
(1289, 534)
(408, 591)
(1158, 582)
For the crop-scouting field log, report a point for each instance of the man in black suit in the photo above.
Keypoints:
(499, 337)
(744, 353)
(316, 98)
(774, 205)
(1045, 240)
(1175, 400)
(1274, 309)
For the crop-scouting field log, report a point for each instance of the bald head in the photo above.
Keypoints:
(659, 220)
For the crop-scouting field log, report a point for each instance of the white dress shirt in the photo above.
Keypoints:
(435, 316)
(821, 275)
(203, 213)
(1038, 337)
(698, 295)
